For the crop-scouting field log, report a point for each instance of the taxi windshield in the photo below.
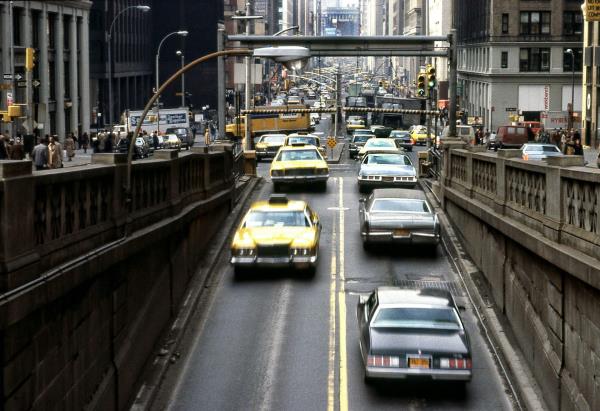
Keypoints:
(273, 139)
(303, 140)
(299, 155)
(276, 219)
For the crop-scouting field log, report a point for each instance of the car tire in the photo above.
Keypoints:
(323, 186)
(310, 272)
(240, 273)
(276, 187)
(368, 380)
(366, 245)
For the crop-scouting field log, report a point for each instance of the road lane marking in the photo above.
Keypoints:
(278, 323)
(332, 322)
(342, 304)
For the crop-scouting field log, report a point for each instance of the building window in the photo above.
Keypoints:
(505, 23)
(504, 59)
(572, 22)
(535, 22)
(534, 59)
(567, 59)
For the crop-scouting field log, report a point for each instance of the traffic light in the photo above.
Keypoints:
(29, 58)
(421, 88)
(431, 80)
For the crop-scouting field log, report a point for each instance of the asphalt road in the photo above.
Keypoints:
(278, 341)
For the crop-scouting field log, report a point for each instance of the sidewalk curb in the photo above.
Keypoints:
(526, 389)
(173, 335)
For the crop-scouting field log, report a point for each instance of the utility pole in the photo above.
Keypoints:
(247, 123)
(221, 80)
(452, 79)
(338, 99)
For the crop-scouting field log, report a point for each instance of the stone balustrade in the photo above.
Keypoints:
(89, 278)
(533, 230)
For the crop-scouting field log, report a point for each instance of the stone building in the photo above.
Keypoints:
(512, 58)
(133, 69)
(58, 88)
(590, 116)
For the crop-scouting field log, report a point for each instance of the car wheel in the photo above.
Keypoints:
(311, 271)
(276, 187)
(368, 380)
(240, 272)
(323, 186)
(366, 245)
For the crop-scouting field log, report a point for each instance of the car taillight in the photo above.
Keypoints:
(525, 156)
(456, 363)
(383, 361)
(413, 141)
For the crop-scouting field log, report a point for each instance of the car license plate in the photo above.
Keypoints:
(401, 233)
(418, 362)
(388, 179)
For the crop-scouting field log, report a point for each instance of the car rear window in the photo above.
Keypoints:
(397, 159)
(303, 140)
(417, 317)
(361, 138)
(276, 219)
(299, 155)
(399, 205)
(380, 143)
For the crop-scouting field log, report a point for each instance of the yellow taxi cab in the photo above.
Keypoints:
(419, 135)
(305, 138)
(277, 233)
(354, 123)
(299, 163)
(267, 145)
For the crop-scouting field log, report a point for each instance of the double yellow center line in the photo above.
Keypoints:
(337, 294)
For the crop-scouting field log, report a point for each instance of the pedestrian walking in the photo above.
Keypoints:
(40, 155)
(55, 153)
(84, 141)
(577, 147)
(3, 148)
(70, 147)
(16, 151)
(155, 141)
(28, 143)
(109, 143)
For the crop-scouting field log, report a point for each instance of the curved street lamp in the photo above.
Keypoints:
(144, 9)
(182, 33)
(285, 54)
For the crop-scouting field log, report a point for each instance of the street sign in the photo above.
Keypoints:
(8, 76)
(511, 109)
(36, 83)
(592, 10)
(331, 142)
(21, 84)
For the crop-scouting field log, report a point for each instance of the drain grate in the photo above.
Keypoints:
(452, 286)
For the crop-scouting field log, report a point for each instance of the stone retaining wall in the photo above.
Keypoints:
(89, 280)
(533, 229)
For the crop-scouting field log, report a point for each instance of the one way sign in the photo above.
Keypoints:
(8, 76)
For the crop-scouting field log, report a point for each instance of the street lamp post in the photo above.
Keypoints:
(109, 40)
(178, 33)
(572, 53)
(180, 54)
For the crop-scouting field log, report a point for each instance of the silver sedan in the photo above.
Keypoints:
(398, 216)
(386, 170)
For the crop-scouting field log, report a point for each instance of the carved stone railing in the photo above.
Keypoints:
(48, 217)
(532, 228)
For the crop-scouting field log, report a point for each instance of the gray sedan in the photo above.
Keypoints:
(398, 216)
(386, 170)
(412, 334)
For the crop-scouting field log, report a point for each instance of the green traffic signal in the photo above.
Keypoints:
(431, 79)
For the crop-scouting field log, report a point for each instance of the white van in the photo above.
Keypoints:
(466, 133)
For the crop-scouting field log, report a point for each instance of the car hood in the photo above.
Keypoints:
(298, 236)
(279, 165)
(389, 341)
(387, 169)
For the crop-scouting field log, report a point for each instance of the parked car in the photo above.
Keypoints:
(511, 137)
(392, 215)
(403, 139)
(407, 334)
(184, 134)
(386, 170)
(172, 141)
(537, 151)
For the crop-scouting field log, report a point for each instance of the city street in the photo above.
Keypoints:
(279, 340)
